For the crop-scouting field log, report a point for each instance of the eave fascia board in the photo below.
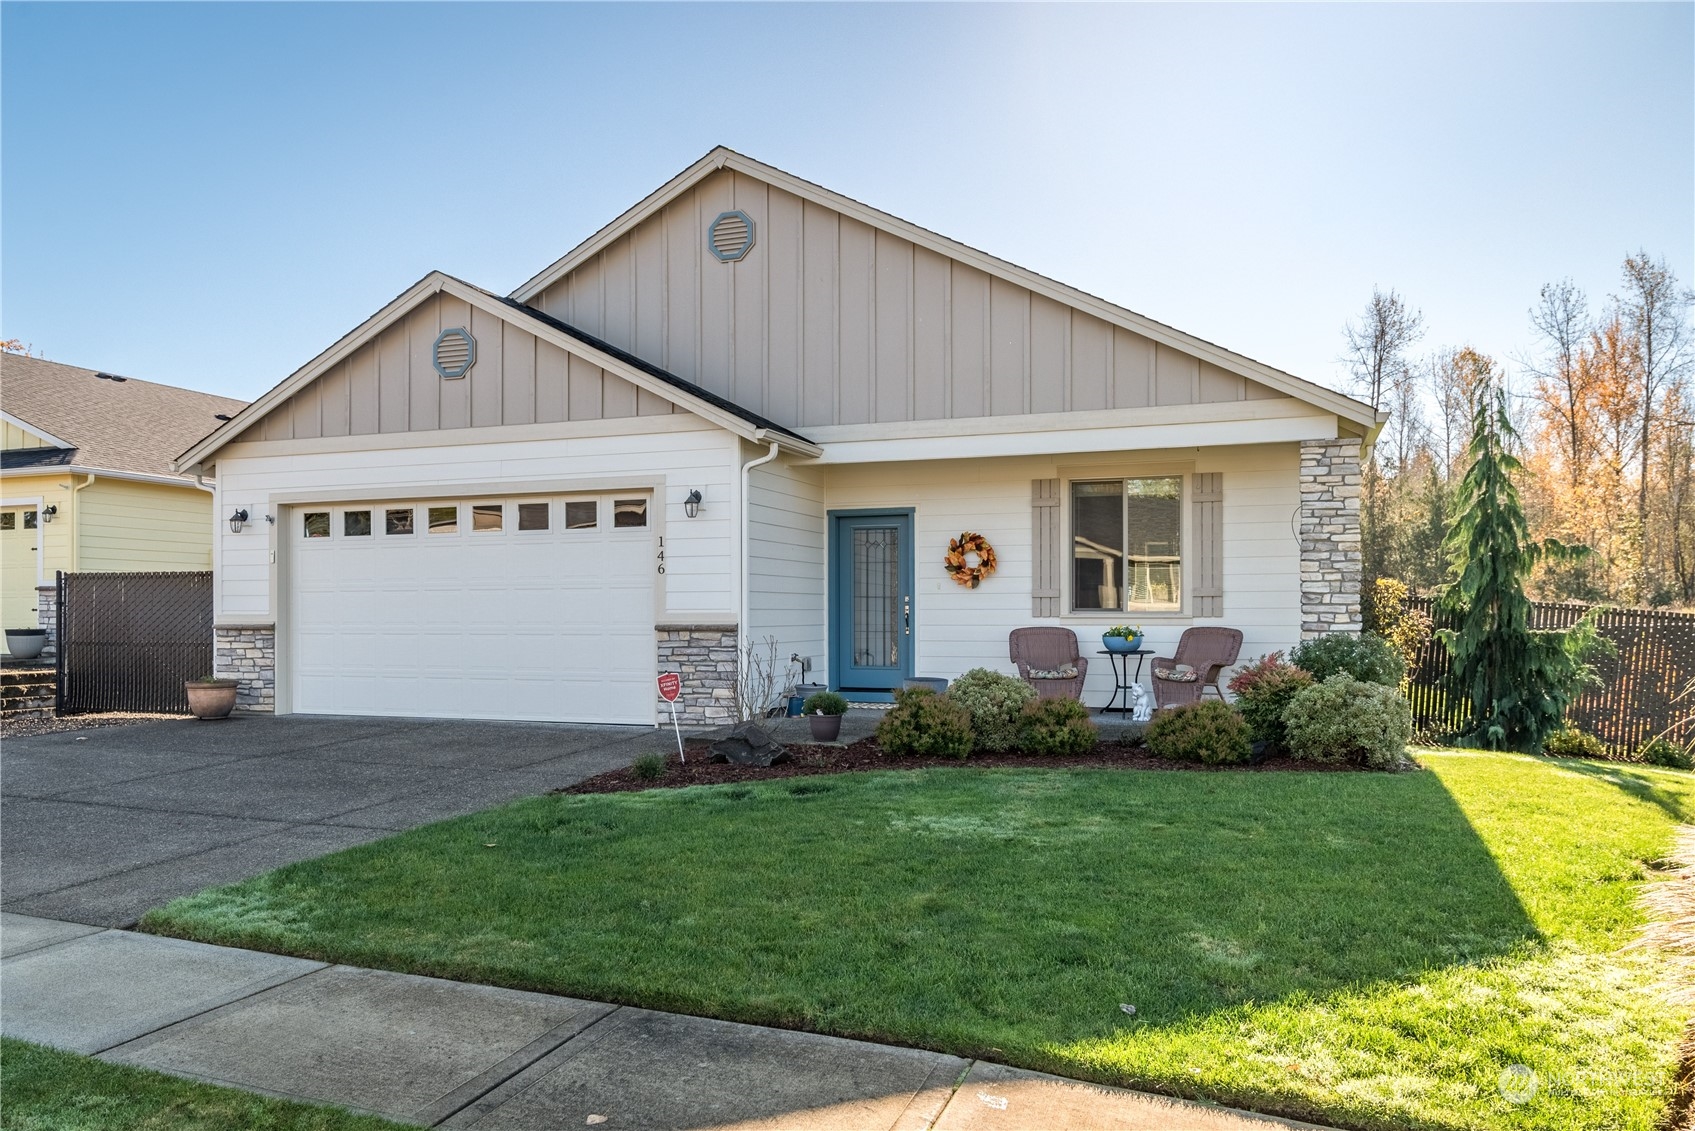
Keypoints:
(1217, 412)
(396, 309)
(38, 432)
(721, 158)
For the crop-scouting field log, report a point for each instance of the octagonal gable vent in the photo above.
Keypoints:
(455, 352)
(731, 237)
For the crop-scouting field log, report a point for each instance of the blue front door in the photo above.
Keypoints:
(871, 600)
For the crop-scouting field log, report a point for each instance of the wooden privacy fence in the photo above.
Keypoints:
(127, 641)
(1638, 694)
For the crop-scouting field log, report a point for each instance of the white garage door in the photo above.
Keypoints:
(525, 608)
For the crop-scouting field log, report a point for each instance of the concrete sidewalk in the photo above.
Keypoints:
(451, 1054)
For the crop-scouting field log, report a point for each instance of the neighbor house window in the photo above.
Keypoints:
(1127, 545)
(317, 524)
(356, 524)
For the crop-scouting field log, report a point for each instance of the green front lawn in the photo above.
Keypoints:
(1366, 949)
(43, 1089)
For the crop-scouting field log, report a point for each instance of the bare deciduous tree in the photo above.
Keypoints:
(1654, 309)
(1561, 318)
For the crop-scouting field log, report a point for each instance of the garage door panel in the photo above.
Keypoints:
(554, 625)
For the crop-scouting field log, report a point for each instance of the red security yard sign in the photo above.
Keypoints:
(670, 687)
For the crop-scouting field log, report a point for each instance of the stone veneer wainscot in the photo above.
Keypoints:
(248, 653)
(705, 656)
(1330, 537)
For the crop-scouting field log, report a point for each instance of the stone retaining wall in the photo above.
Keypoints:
(1330, 537)
(248, 653)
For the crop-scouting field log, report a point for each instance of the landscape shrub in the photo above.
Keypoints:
(1263, 691)
(923, 724)
(1662, 751)
(1345, 719)
(1210, 731)
(647, 767)
(1573, 743)
(1059, 726)
(994, 702)
(1362, 655)
(1405, 630)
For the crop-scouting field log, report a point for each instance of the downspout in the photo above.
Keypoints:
(744, 574)
(76, 523)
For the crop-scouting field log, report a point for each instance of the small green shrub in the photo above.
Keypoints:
(923, 724)
(994, 702)
(1209, 731)
(1661, 751)
(1263, 691)
(1060, 727)
(1345, 719)
(648, 767)
(1362, 655)
(1573, 743)
(824, 703)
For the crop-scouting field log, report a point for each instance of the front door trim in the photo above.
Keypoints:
(837, 639)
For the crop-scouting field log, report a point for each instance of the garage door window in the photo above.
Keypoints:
(398, 521)
(532, 516)
(317, 524)
(629, 512)
(487, 517)
(356, 524)
(581, 515)
(444, 520)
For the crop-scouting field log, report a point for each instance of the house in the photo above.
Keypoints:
(86, 481)
(754, 409)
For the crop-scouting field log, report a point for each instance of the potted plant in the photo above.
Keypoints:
(824, 711)
(1122, 638)
(210, 697)
(25, 643)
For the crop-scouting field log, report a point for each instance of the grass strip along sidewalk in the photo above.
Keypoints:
(49, 1090)
(1369, 950)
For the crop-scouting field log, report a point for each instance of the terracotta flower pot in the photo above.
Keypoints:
(211, 698)
(825, 728)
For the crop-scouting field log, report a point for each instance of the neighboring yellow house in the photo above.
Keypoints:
(86, 481)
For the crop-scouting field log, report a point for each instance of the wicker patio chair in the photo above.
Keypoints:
(1205, 653)
(1047, 650)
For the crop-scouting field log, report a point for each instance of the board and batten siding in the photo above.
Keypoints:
(786, 587)
(699, 581)
(957, 629)
(12, 438)
(390, 385)
(151, 527)
(828, 320)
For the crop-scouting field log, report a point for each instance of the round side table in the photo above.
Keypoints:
(1122, 680)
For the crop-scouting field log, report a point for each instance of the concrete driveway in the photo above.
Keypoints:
(98, 826)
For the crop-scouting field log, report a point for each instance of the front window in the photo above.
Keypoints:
(1126, 545)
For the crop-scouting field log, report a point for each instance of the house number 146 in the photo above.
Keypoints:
(661, 554)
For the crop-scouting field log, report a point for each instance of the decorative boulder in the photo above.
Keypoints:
(748, 745)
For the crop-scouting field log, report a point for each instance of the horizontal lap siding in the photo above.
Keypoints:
(124, 526)
(786, 594)
(958, 629)
(699, 557)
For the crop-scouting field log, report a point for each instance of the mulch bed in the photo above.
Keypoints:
(808, 760)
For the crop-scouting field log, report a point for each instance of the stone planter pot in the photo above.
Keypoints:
(211, 698)
(25, 643)
(825, 728)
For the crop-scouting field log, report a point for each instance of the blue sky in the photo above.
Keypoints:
(209, 195)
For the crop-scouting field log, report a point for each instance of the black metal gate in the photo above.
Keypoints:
(127, 641)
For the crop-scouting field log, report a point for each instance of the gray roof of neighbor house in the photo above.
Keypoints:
(115, 423)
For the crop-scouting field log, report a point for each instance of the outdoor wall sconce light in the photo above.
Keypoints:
(237, 521)
(691, 505)
(48, 511)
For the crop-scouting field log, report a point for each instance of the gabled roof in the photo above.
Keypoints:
(684, 394)
(722, 158)
(117, 424)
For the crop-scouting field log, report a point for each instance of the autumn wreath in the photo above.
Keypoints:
(963, 572)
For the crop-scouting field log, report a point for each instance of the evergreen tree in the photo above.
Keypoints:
(1516, 682)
